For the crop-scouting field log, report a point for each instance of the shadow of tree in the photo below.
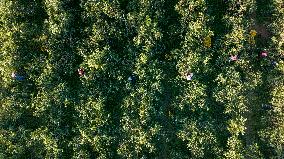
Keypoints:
(261, 94)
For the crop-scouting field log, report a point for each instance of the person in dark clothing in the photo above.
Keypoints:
(17, 76)
(266, 106)
(132, 79)
(274, 63)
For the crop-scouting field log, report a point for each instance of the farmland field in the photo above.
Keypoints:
(166, 79)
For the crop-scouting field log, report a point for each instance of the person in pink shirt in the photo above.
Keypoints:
(263, 54)
(233, 58)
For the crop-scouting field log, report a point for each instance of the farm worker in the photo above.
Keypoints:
(189, 76)
(263, 54)
(17, 77)
(81, 72)
(253, 33)
(207, 41)
(132, 79)
(274, 63)
(233, 58)
(266, 106)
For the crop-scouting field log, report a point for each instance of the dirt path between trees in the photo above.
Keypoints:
(255, 95)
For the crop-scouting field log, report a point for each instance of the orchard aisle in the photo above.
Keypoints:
(272, 130)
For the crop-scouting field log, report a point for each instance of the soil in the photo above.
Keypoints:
(262, 31)
(260, 28)
(263, 35)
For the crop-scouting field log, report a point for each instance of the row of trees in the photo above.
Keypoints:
(20, 51)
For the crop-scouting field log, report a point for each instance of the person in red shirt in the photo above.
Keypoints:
(81, 72)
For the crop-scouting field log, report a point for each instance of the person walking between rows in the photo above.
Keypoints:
(17, 76)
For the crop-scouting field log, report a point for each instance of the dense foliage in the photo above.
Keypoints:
(226, 109)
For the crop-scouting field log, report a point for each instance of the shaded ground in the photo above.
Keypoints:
(261, 94)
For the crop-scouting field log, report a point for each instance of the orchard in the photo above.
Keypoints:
(173, 79)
